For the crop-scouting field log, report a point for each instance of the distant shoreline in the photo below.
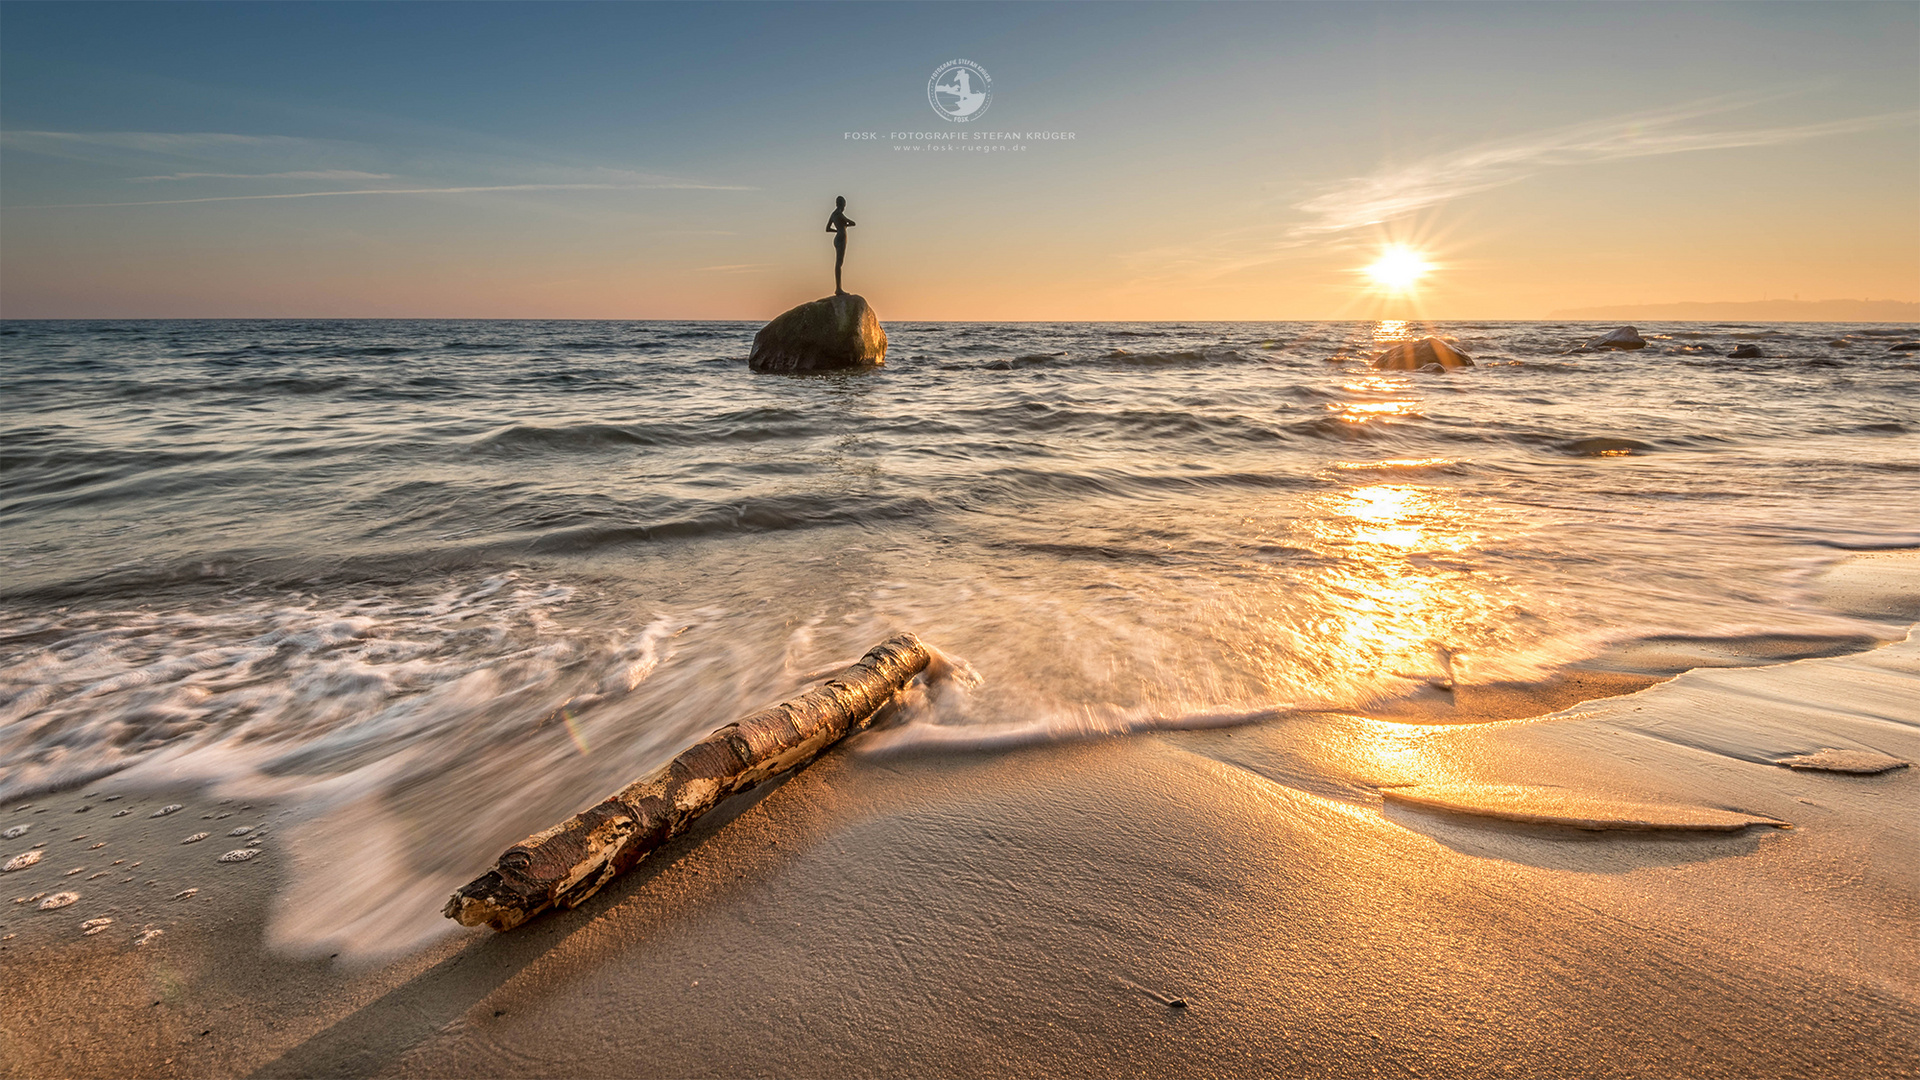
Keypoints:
(1753, 311)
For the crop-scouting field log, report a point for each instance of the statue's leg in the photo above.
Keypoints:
(839, 257)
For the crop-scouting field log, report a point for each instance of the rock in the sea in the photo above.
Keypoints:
(1415, 355)
(1624, 338)
(1744, 352)
(1905, 346)
(830, 334)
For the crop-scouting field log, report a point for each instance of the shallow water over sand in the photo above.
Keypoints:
(448, 581)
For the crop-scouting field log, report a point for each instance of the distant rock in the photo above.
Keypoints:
(1906, 346)
(1418, 355)
(830, 334)
(1624, 338)
(1744, 352)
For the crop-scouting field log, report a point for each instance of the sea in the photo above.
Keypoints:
(439, 584)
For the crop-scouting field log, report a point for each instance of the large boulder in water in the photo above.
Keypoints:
(1624, 338)
(831, 334)
(1415, 355)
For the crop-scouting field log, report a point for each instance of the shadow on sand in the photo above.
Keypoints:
(376, 1035)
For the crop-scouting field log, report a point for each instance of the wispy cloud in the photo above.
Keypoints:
(185, 157)
(153, 142)
(1398, 190)
(1328, 217)
(677, 186)
(299, 174)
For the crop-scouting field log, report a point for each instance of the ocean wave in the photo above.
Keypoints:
(559, 535)
(1604, 446)
(572, 437)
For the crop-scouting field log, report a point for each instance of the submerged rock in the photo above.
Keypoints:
(1905, 346)
(1624, 338)
(834, 333)
(1744, 352)
(1418, 355)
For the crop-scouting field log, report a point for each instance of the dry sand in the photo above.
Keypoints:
(1229, 902)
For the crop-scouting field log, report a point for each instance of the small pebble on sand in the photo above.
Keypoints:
(239, 855)
(110, 798)
(147, 936)
(74, 871)
(58, 900)
(196, 838)
(21, 861)
(241, 831)
(16, 832)
(165, 810)
(185, 894)
(122, 813)
(98, 876)
(94, 926)
(96, 847)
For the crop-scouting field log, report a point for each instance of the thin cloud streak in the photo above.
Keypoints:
(161, 142)
(1401, 190)
(394, 191)
(303, 174)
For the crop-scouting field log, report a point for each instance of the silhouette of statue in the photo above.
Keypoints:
(838, 225)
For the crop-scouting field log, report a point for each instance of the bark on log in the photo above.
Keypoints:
(564, 865)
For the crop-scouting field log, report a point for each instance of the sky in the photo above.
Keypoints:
(1225, 161)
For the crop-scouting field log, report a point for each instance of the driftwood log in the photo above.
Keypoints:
(564, 865)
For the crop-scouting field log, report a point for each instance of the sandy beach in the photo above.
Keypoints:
(816, 540)
(1227, 902)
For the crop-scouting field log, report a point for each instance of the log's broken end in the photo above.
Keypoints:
(480, 903)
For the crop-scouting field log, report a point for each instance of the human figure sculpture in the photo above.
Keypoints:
(838, 225)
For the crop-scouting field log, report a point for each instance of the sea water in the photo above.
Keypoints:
(443, 583)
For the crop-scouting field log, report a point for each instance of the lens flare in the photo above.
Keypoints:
(1399, 268)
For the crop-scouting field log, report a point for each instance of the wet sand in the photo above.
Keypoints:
(1224, 902)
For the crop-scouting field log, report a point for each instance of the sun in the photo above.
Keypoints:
(1398, 268)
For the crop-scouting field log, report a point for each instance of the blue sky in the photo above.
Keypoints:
(1228, 160)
